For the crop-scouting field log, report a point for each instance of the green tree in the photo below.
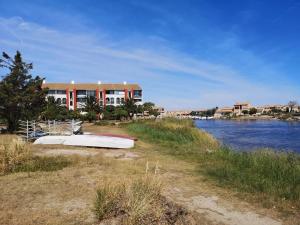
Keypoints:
(148, 106)
(245, 112)
(120, 113)
(92, 105)
(54, 111)
(130, 107)
(91, 116)
(21, 95)
(252, 111)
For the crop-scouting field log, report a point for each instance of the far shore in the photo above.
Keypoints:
(260, 118)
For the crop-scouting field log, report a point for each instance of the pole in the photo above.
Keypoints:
(27, 131)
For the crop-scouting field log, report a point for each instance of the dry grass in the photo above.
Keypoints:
(13, 153)
(138, 201)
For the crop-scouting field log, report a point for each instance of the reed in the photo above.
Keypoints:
(16, 156)
(138, 201)
(275, 174)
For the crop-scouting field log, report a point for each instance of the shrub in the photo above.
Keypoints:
(15, 156)
(91, 116)
(136, 202)
(13, 153)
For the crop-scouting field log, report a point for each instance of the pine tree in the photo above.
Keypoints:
(21, 96)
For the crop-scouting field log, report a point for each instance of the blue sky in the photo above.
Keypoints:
(185, 54)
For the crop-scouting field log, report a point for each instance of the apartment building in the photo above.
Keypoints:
(225, 111)
(74, 96)
(239, 107)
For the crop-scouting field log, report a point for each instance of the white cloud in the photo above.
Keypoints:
(163, 72)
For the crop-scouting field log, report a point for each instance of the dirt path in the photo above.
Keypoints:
(219, 211)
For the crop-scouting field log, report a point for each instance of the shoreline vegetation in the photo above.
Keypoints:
(266, 173)
(263, 117)
(121, 191)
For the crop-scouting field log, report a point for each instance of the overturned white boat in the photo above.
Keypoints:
(87, 141)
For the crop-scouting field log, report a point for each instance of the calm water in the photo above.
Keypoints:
(249, 135)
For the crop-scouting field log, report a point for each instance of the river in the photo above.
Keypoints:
(250, 135)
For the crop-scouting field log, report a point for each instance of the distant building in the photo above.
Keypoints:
(178, 113)
(74, 96)
(240, 107)
(160, 110)
(269, 108)
(222, 112)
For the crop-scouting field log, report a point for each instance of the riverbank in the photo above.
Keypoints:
(261, 117)
(268, 174)
(64, 188)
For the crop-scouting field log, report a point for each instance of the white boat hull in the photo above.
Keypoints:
(87, 140)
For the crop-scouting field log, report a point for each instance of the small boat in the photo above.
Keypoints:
(87, 141)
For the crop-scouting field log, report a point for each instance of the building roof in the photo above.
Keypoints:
(90, 86)
(242, 103)
(225, 109)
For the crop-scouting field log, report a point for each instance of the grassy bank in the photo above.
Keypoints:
(275, 175)
(178, 137)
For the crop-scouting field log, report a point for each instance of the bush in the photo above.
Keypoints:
(15, 156)
(91, 116)
(13, 153)
(253, 111)
(136, 202)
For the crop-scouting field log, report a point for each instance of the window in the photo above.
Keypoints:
(122, 100)
(51, 92)
(64, 101)
(101, 94)
(137, 93)
(110, 92)
(58, 101)
(61, 92)
(91, 93)
(107, 100)
(71, 95)
(81, 92)
(112, 100)
(118, 101)
(119, 92)
(71, 103)
(82, 100)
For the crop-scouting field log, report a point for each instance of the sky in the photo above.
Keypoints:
(189, 54)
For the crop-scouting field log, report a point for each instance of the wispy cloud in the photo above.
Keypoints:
(169, 77)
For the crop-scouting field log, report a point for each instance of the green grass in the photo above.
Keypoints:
(43, 163)
(270, 173)
(178, 137)
(273, 173)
